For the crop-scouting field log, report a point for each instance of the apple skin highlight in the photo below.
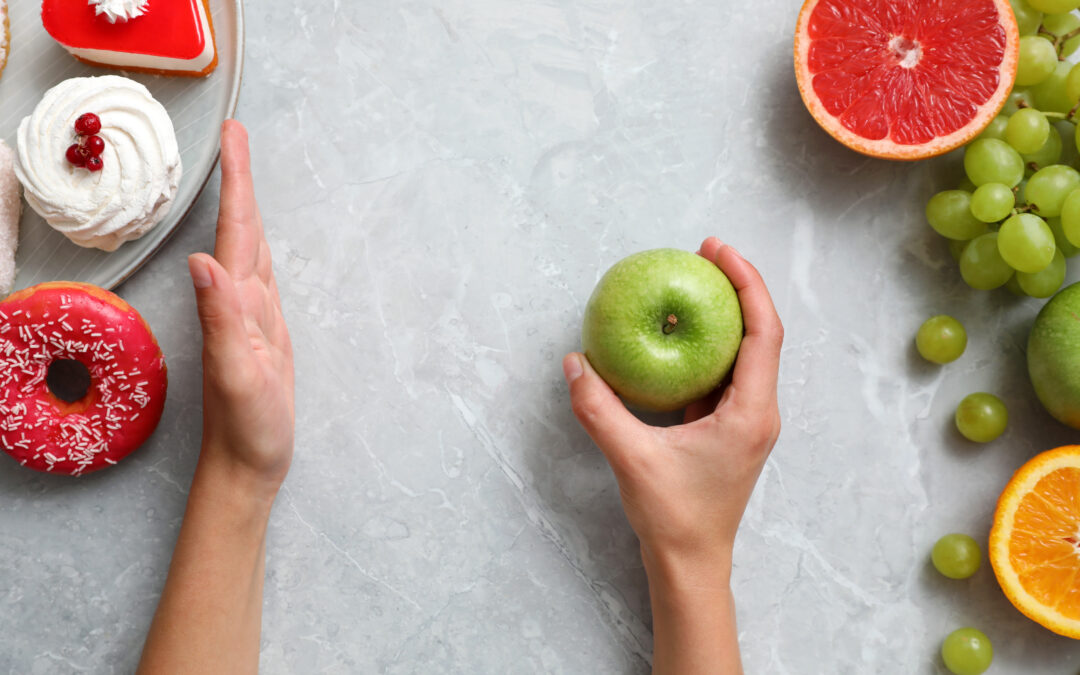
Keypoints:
(663, 328)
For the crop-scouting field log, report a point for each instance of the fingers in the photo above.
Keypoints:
(758, 364)
(604, 417)
(220, 312)
(239, 233)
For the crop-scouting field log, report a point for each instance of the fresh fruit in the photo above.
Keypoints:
(905, 80)
(989, 160)
(1054, 6)
(87, 123)
(992, 202)
(94, 164)
(1035, 540)
(967, 651)
(941, 339)
(1028, 129)
(1053, 356)
(1047, 189)
(1049, 95)
(981, 264)
(956, 556)
(75, 155)
(1064, 245)
(1026, 242)
(1048, 155)
(1057, 27)
(1037, 60)
(1028, 19)
(94, 145)
(1045, 282)
(996, 128)
(950, 214)
(1070, 217)
(981, 417)
(662, 328)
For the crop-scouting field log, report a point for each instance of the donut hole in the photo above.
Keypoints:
(68, 380)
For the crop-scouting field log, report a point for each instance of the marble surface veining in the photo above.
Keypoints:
(442, 185)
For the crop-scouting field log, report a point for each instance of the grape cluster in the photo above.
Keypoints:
(1016, 218)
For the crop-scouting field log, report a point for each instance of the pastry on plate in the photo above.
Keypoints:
(165, 37)
(98, 160)
(10, 210)
(5, 44)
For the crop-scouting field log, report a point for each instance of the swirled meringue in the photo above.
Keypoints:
(119, 10)
(135, 189)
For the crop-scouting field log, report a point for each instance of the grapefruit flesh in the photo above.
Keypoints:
(905, 79)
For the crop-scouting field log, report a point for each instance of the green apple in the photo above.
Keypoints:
(662, 328)
(1053, 356)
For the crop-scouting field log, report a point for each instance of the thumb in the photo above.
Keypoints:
(220, 312)
(604, 417)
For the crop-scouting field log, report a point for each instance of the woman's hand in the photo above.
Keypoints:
(685, 488)
(248, 409)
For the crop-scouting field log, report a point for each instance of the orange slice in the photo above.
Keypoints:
(1035, 540)
(905, 80)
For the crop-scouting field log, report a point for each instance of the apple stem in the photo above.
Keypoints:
(672, 322)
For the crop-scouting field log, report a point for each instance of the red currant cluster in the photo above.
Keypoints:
(86, 153)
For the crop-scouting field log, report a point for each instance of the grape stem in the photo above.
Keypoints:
(1059, 40)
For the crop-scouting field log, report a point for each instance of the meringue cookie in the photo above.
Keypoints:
(135, 189)
(119, 10)
(10, 210)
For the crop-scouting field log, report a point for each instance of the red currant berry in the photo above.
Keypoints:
(94, 164)
(75, 155)
(88, 123)
(94, 145)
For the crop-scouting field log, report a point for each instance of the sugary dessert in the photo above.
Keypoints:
(165, 37)
(82, 379)
(10, 210)
(5, 44)
(99, 161)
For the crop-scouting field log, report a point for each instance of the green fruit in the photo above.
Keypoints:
(957, 556)
(662, 328)
(1053, 356)
(941, 339)
(967, 651)
(981, 417)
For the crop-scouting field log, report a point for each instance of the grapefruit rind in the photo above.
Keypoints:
(1021, 485)
(888, 149)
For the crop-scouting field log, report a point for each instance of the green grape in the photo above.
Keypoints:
(956, 248)
(1047, 189)
(992, 202)
(981, 417)
(1016, 97)
(996, 128)
(1069, 153)
(1027, 18)
(966, 185)
(988, 160)
(1064, 245)
(941, 339)
(1072, 84)
(1038, 59)
(1047, 155)
(949, 213)
(967, 651)
(981, 264)
(1013, 286)
(1045, 282)
(1054, 6)
(1021, 192)
(1027, 130)
(1070, 218)
(1049, 95)
(1026, 243)
(1060, 25)
(957, 556)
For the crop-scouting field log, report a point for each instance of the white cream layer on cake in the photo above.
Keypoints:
(135, 189)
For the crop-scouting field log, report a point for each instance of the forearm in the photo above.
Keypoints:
(693, 616)
(209, 616)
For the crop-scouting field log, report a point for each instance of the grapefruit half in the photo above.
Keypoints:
(905, 79)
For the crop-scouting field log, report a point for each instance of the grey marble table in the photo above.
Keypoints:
(442, 184)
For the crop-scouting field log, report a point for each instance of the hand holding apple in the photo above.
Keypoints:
(685, 488)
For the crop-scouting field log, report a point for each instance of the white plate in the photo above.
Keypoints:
(197, 107)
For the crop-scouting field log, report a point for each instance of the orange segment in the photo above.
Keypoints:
(1035, 540)
(905, 80)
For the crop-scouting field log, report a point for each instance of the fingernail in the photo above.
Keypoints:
(200, 273)
(571, 366)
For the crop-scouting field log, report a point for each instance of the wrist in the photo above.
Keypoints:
(699, 572)
(227, 480)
